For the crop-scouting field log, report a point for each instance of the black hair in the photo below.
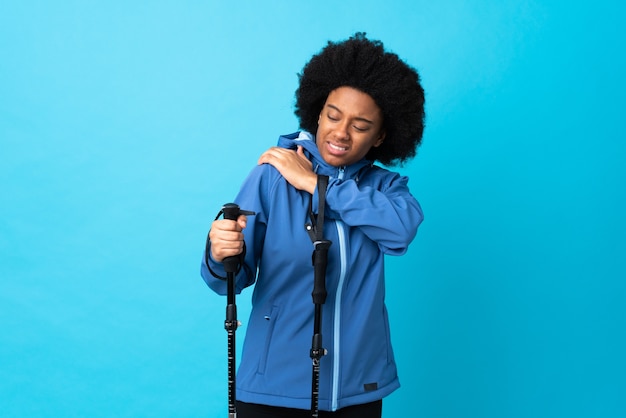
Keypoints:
(364, 64)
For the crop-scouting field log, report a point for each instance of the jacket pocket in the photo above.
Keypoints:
(270, 322)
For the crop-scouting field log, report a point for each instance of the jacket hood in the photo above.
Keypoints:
(307, 140)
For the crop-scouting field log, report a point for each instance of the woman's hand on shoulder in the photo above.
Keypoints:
(294, 166)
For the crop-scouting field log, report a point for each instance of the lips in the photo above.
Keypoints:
(336, 149)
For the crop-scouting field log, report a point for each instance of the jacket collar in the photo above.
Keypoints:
(307, 140)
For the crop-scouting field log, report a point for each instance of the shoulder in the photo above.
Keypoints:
(381, 178)
(262, 176)
(378, 172)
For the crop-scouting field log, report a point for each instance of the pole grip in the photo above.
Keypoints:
(320, 259)
(231, 212)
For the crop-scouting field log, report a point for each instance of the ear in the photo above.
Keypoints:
(381, 139)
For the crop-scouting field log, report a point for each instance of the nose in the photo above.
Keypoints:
(341, 132)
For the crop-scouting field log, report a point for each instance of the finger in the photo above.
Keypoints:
(226, 225)
(223, 238)
(231, 247)
(219, 252)
(268, 155)
(242, 221)
(303, 158)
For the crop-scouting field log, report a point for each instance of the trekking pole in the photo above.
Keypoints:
(320, 256)
(320, 260)
(232, 266)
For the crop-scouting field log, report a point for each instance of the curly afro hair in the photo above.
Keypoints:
(364, 64)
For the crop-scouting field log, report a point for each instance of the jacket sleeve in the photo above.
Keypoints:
(253, 196)
(385, 211)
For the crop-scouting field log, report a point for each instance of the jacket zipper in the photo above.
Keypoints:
(341, 234)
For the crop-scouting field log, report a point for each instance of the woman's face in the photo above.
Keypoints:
(349, 125)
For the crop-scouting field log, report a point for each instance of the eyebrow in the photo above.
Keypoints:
(357, 118)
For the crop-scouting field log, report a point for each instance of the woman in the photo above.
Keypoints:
(363, 104)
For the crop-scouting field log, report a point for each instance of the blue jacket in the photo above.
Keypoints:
(369, 212)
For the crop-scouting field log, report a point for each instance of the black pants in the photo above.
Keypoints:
(252, 410)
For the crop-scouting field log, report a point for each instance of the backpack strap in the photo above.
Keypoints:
(315, 228)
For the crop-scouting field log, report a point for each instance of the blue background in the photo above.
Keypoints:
(124, 126)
